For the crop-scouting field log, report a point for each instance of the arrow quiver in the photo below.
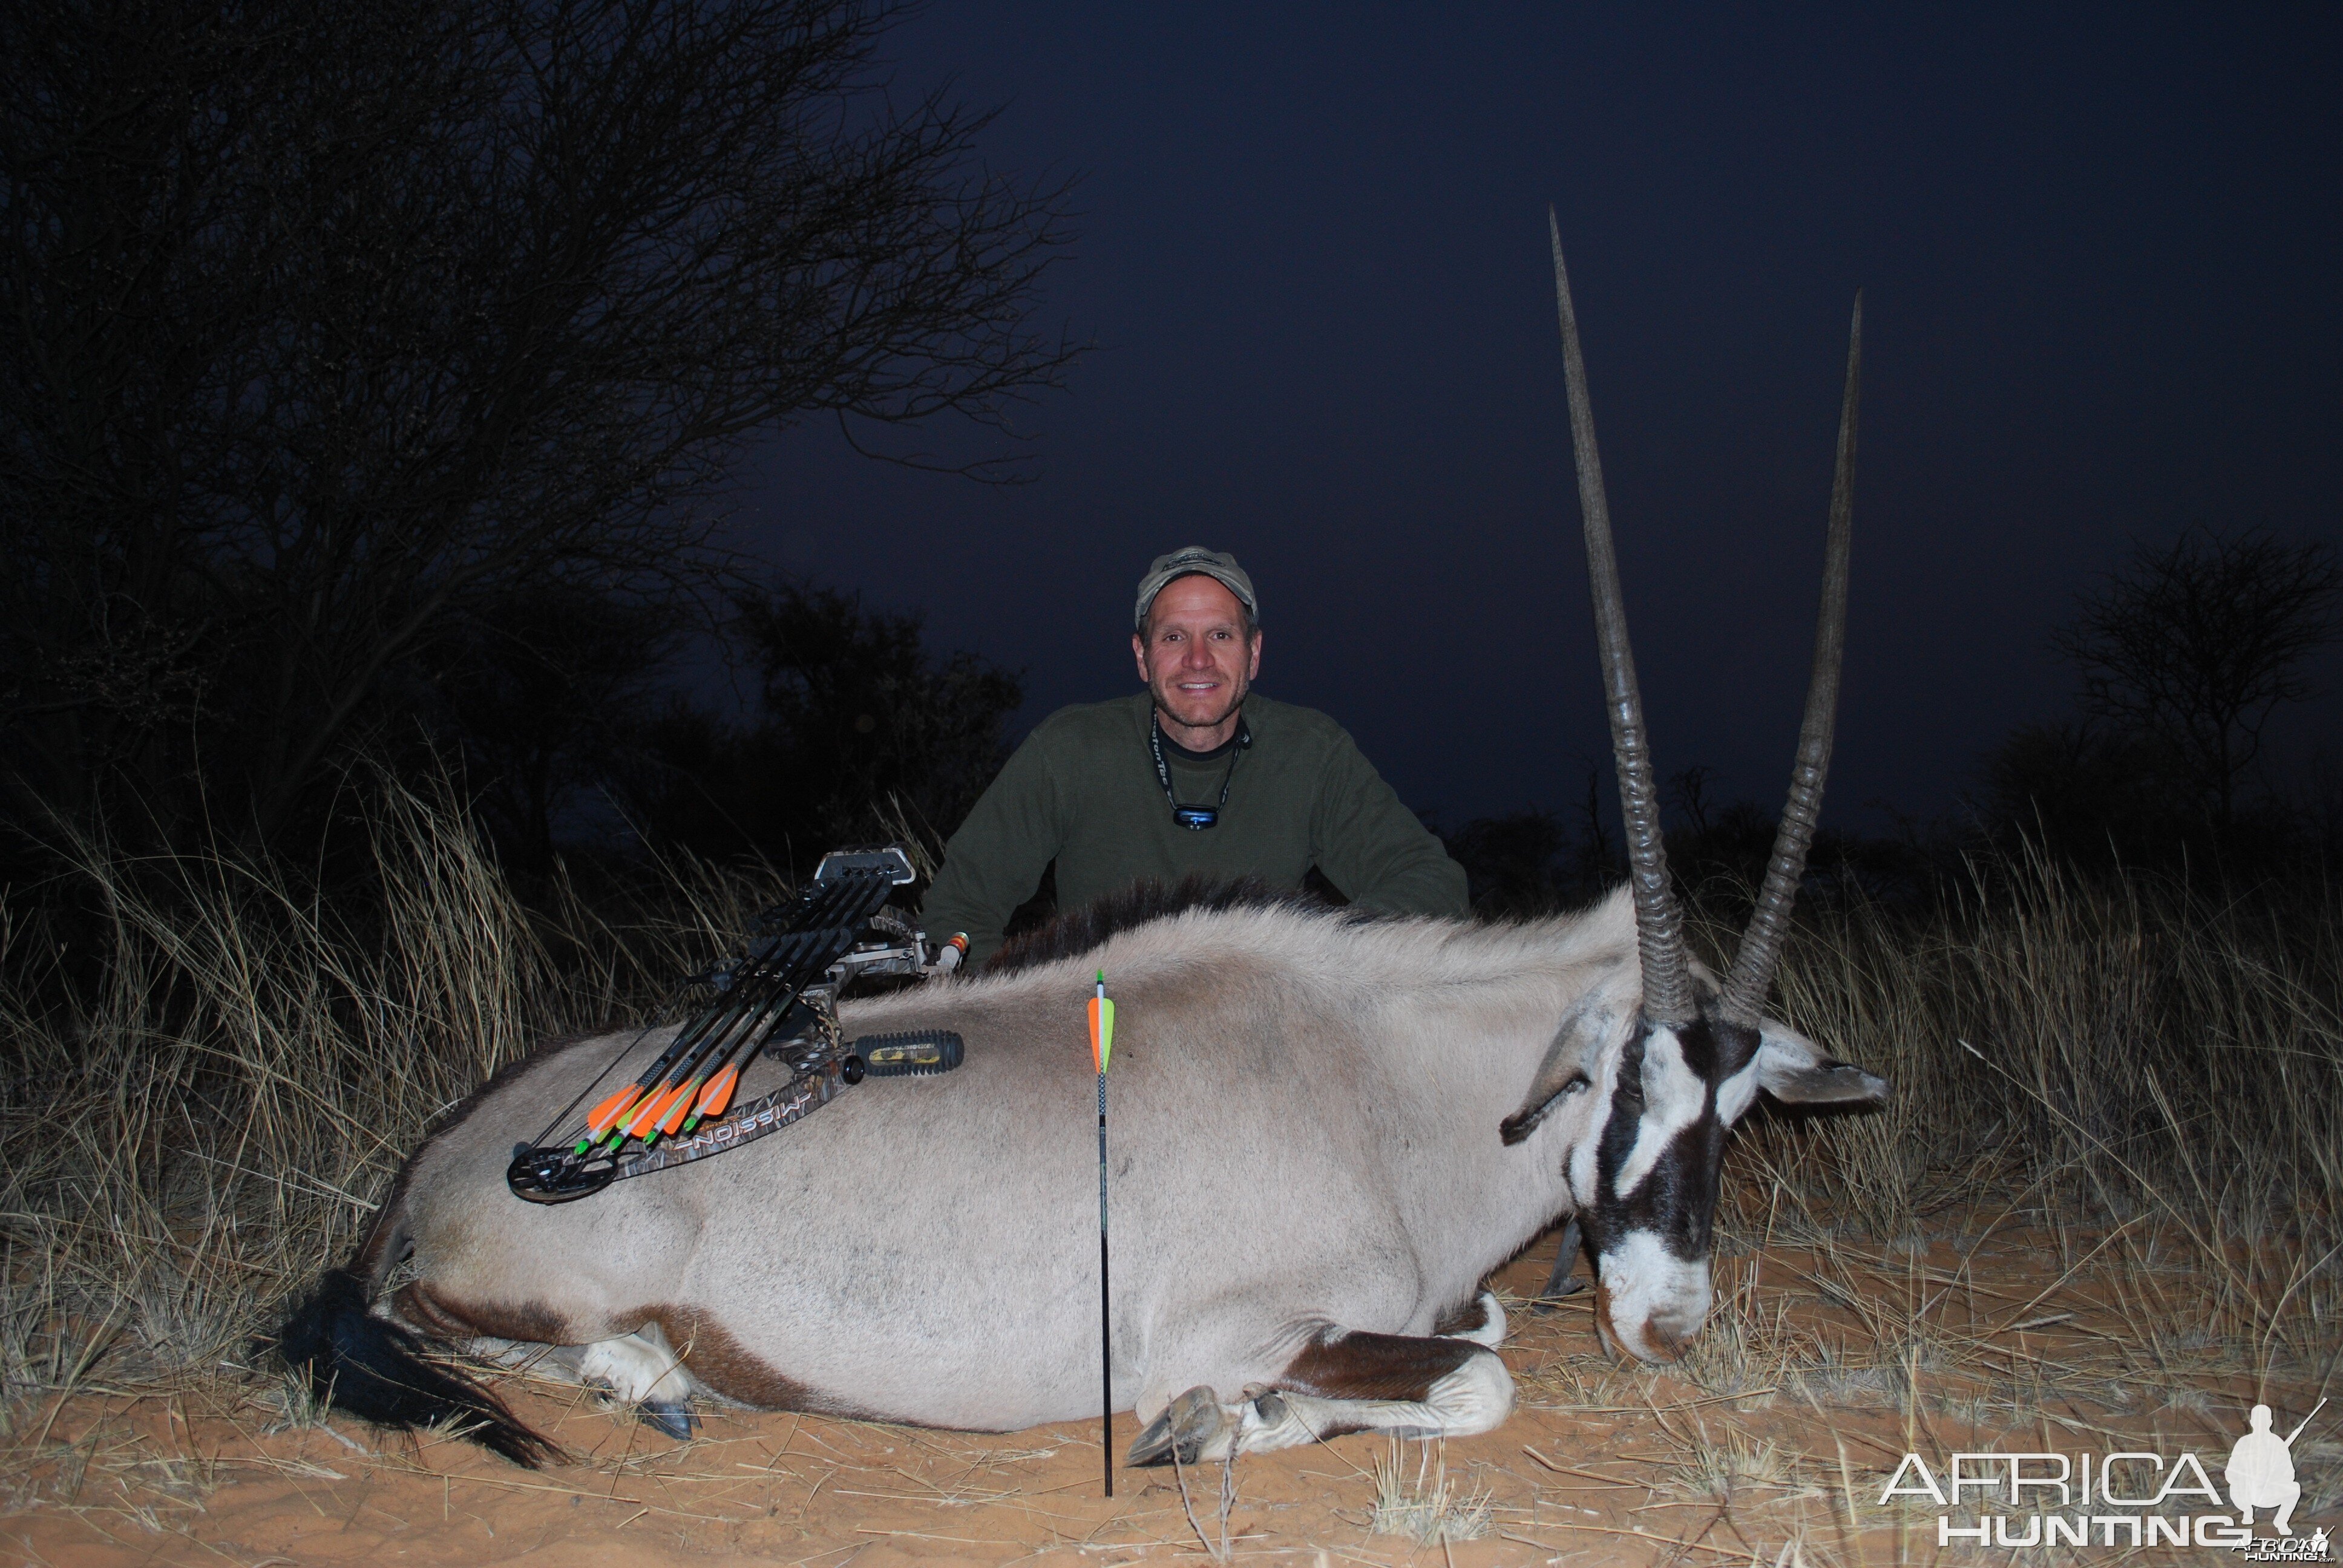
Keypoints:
(777, 998)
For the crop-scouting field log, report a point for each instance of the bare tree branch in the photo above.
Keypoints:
(321, 328)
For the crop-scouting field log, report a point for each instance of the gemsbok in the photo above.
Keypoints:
(1328, 1130)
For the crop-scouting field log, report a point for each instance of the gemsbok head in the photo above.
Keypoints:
(1644, 1177)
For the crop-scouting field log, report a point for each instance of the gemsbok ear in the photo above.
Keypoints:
(1564, 1071)
(1795, 1069)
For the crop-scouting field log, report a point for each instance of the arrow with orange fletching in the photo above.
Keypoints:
(694, 1076)
(701, 1083)
(1102, 1011)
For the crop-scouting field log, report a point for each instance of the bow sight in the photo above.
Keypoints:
(778, 997)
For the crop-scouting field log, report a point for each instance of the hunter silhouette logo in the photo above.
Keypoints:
(2260, 1471)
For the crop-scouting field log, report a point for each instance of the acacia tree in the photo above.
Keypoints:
(322, 328)
(2191, 646)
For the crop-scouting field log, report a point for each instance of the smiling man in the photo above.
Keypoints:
(1196, 774)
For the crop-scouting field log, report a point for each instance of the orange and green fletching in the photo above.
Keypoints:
(607, 1114)
(717, 1095)
(677, 1108)
(653, 1108)
(1102, 1025)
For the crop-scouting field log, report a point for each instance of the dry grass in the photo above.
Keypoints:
(1421, 1501)
(191, 1137)
(2110, 1183)
(2146, 1080)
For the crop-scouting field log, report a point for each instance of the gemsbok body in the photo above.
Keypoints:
(1328, 1130)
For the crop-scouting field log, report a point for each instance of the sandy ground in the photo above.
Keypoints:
(1601, 1464)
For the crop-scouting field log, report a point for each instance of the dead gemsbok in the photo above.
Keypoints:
(1328, 1130)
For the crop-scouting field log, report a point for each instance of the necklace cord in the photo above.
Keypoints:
(1239, 743)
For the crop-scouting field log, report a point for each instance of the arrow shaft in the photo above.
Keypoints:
(1106, 1324)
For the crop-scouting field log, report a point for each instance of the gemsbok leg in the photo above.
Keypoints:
(1432, 1385)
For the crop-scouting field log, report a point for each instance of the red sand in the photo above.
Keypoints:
(1604, 1479)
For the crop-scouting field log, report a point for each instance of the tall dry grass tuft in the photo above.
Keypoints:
(194, 1133)
(2134, 1067)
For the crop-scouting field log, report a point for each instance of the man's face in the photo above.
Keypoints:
(1196, 658)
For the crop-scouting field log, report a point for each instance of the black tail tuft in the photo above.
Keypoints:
(375, 1371)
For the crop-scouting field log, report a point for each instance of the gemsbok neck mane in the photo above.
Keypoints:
(1086, 930)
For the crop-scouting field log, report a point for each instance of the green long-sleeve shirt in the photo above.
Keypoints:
(1082, 791)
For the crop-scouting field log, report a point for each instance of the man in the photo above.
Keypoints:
(1194, 775)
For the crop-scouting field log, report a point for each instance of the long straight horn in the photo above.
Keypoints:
(1659, 921)
(1752, 966)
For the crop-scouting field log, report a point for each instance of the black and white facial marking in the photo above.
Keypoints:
(1650, 1179)
(1644, 1175)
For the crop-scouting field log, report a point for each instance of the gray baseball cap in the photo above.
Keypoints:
(1194, 561)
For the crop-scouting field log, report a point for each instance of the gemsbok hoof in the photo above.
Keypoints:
(1183, 1432)
(673, 1418)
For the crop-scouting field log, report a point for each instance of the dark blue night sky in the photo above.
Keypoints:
(2103, 298)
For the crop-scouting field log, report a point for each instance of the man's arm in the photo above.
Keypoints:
(1373, 849)
(996, 860)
